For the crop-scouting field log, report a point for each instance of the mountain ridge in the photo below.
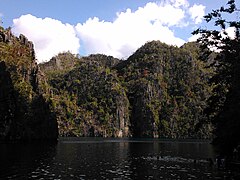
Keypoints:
(151, 81)
(159, 91)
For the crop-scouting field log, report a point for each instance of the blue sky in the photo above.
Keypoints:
(112, 27)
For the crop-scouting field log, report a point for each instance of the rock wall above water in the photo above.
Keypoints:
(25, 109)
(159, 91)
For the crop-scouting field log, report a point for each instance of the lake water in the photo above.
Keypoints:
(98, 158)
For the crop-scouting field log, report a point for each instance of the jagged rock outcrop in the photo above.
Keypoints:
(25, 109)
(103, 60)
(61, 63)
(6, 35)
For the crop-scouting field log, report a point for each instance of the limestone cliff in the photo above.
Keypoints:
(89, 99)
(167, 91)
(25, 111)
(159, 91)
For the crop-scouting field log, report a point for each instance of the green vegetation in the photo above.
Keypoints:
(167, 89)
(224, 103)
(159, 91)
(25, 110)
(89, 98)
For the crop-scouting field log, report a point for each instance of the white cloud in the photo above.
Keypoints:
(197, 12)
(123, 37)
(231, 32)
(179, 3)
(194, 37)
(131, 29)
(119, 38)
(49, 36)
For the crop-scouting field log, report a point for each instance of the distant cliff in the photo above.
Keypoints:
(167, 90)
(159, 91)
(88, 98)
(25, 109)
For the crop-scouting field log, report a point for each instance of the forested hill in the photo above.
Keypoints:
(159, 91)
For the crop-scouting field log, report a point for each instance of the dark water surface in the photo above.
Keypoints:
(97, 158)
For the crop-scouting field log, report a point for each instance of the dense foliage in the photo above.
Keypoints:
(167, 90)
(160, 91)
(89, 99)
(25, 112)
(224, 104)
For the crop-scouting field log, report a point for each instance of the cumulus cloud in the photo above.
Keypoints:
(197, 12)
(123, 37)
(194, 37)
(179, 3)
(131, 29)
(231, 32)
(228, 32)
(119, 38)
(49, 36)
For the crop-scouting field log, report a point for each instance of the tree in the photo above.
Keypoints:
(224, 104)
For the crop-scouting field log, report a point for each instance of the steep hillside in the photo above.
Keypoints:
(89, 99)
(25, 111)
(167, 90)
(159, 91)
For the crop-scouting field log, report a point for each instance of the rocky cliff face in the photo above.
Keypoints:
(167, 90)
(25, 111)
(159, 91)
(94, 104)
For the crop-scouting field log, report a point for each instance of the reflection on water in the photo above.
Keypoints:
(96, 158)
